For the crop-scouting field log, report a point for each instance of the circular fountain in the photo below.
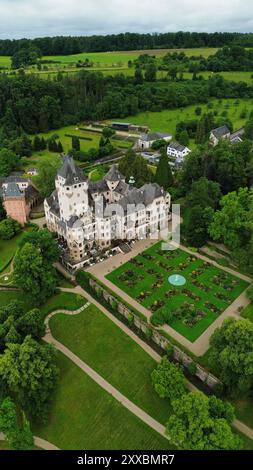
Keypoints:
(177, 280)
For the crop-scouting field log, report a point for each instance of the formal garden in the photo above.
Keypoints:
(189, 308)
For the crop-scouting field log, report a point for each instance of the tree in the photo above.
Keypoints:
(76, 143)
(8, 161)
(231, 355)
(195, 225)
(108, 132)
(184, 138)
(138, 77)
(32, 323)
(45, 242)
(249, 130)
(30, 373)
(21, 146)
(45, 180)
(59, 147)
(9, 228)
(232, 224)
(193, 427)
(33, 274)
(168, 380)
(163, 175)
(18, 435)
(134, 165)
(150, 72)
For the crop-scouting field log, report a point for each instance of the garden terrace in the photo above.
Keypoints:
(189, 309)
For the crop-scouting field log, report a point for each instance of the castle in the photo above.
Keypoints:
(86, 214)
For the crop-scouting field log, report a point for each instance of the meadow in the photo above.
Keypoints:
(129, 370)
(167, 120)
(110, 59)
(84, 416)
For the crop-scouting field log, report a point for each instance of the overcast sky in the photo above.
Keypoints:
(34, 18)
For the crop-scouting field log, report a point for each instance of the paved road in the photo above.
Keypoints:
(41, 443)
(201, 345)
(240, 426)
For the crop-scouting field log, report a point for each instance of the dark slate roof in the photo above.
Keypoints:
(144, 195)
(74, 221)
(114, 174)
(53, 203)
(71, 172)
(154, 136)
(220, 132)
(122, 188)
(237, 135)
(31, 193)
(16, 179)
(12, 190)
(98, 186)
(176, 146)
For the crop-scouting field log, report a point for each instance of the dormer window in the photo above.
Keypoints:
(76, 179)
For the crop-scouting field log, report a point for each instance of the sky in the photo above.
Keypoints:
(37, 18)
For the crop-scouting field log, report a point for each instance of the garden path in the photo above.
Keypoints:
(201, 345)
(239, 425)
(39, 442)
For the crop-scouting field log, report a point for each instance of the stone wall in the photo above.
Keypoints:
(179, 355)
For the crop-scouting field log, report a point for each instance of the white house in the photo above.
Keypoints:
(219, 133)
(223, 132)
(146, 140)
(85, 214)
(178, 152)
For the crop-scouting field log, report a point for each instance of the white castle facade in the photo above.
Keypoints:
(86, 214)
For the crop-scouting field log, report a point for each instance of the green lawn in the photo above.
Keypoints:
(167, 120)
(84, 416)
(62, 300)
(114, 355)
(248, 312)
(148, 289)
(8, 249)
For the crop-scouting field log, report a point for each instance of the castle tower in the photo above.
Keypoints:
(113, 177)
(15, 203)
(72, 187)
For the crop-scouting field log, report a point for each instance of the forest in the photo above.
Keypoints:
(63, 45)
(31, 105)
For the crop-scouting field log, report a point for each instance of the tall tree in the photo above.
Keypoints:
(45, 180)
(193, 427)
(231, 355)
(163, 175)
(33, 274)
(168, 380)
(30, 373)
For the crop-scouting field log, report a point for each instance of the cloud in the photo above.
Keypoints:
(33, 18)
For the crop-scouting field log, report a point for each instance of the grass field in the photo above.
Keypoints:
(62, 300)
(110, 59)
(63, 134)
(8, 249)
(167, 120)
(84, 416)
(146, 280)
(114, 355)
(248, 312)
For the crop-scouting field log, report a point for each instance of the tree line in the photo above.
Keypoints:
(64, 45)
(30, 104)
